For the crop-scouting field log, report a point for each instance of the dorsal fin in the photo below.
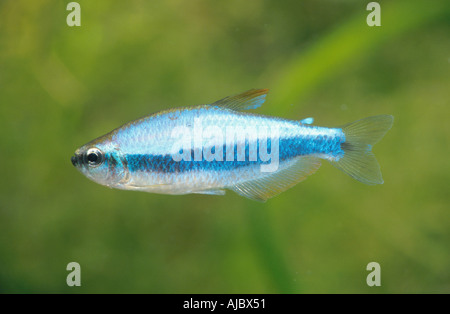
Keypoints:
(273, 184)
(250, 99)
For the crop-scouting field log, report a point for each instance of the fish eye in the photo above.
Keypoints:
(94, 157)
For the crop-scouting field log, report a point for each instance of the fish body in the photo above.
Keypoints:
(209, 148)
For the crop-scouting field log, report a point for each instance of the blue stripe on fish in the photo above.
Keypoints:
(288, 148)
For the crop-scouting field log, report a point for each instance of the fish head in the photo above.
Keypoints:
(101, 162)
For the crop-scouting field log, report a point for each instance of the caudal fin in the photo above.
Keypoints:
(358, 160)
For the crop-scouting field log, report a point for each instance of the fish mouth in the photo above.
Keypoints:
(76, 160)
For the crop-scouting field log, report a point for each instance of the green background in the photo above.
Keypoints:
(62, 86)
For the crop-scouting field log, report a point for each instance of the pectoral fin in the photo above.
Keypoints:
(211, 192)
(145, 188)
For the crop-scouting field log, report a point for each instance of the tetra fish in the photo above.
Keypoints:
(209, 148)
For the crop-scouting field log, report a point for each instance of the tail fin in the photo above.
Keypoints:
(358, 160)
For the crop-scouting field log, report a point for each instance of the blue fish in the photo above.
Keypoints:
(209, 148)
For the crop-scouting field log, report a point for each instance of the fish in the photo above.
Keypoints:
(208, 149)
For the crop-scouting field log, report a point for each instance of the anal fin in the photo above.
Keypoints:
(272, 184)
